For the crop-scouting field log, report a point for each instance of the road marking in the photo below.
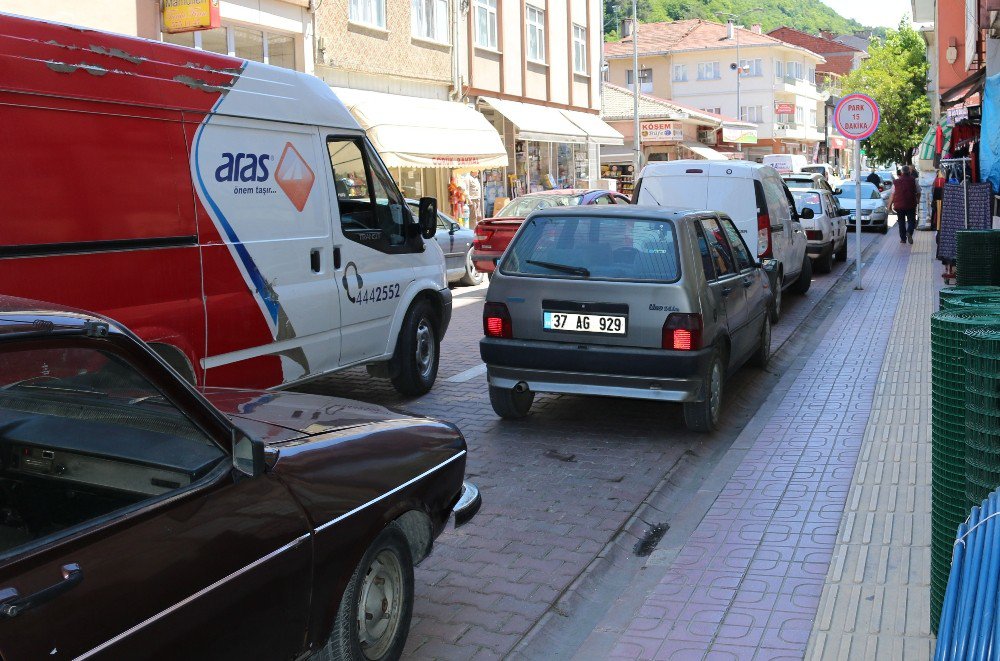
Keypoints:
(468, 375)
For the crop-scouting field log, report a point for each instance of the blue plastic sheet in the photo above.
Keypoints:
(989, 148)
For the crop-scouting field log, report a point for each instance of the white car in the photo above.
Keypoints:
(825, 225)
(756, 199)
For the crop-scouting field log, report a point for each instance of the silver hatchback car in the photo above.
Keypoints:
(640, 302)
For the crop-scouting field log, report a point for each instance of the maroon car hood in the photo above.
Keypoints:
(276, 416)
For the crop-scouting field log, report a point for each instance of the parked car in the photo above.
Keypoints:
(642, 302)
(493, 235)
(253, 237)
(824, 169)
(756, 199)
(874, 213)
(826, 229)
(807, 181)
(456, 244)
(785, 163)
(236, 524)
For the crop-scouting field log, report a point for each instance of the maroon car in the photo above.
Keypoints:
(141, 518)
(493, 235)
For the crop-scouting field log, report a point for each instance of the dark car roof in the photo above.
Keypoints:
(645, 212)
(18, 315)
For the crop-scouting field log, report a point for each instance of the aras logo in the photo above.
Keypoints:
(293, 175)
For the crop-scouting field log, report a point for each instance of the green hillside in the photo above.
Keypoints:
(807, 15)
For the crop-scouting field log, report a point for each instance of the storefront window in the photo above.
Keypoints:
(548, 165)
(281, 50)
(249, 44)
(180, 39)
(215, 41)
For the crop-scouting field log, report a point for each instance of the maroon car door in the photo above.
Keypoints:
(221, 572)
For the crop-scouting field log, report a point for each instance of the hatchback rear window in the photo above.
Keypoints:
(595, 247)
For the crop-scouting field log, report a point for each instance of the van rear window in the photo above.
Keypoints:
(596, 248)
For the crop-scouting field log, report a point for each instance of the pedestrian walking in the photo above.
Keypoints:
(905, 194)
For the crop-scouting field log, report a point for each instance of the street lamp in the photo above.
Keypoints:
(731, 19)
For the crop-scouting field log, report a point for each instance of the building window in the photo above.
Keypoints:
(794, 71)
(752, 68)
(645, 80)
(242, 42)
(779, 69)
(753, 114)
(536, 34)
(785, 119)
(812, 117)
(579, 49)
(369, 12)
(800, 115)
(486, 23)
(717, 111)
(680, 73)
(812, 75)
(709, 71)
(429, 19)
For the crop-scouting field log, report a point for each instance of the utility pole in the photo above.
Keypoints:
(637, 156)
(731, 19)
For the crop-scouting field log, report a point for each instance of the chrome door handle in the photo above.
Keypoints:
(13, 605)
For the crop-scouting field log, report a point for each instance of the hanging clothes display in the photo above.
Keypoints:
(953, 205)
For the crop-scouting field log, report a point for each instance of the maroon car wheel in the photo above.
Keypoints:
(373, 619)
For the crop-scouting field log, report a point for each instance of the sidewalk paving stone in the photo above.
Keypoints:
(758, 561)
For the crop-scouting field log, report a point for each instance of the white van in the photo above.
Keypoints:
(232, 214)
(786, 163)
(753, 195)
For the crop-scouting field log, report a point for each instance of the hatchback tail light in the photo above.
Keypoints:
(682, 332)
(496, 321)
(814, 235)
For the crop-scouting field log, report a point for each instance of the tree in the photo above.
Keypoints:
(895, 75)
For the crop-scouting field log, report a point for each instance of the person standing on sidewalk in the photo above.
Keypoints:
(904, 203)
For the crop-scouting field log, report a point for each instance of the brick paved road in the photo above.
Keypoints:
(557, 486)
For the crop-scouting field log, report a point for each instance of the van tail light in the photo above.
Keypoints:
(763, 235)
(814, 235)
(496, 321)
(682, 332)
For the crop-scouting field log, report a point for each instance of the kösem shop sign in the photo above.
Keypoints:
(666, 131)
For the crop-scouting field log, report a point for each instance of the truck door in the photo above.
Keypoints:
(271, 293)
(373, 242)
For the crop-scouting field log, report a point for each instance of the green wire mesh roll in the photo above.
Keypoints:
(978, 257)
(972, 301)
(948, 436)
(949, 293)
(982, 424)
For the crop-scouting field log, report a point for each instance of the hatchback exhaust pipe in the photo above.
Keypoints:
(521, 387)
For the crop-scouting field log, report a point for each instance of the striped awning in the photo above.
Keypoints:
(926, 150)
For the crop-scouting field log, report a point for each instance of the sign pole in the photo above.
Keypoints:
(857, 116)
(857, 212)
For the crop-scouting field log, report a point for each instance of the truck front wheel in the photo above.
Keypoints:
(417, 351)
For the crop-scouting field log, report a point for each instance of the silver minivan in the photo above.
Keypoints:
(639, 302)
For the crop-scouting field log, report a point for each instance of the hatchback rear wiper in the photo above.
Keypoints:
(565, 268)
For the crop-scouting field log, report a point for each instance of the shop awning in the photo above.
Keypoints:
(536, 122)
(926, 150)
(409, 131)
(597, 129)
(705, 151)
(968, 87)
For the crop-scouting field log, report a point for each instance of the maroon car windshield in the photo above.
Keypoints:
(522, 206)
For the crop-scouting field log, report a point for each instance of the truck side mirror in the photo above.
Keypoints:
(427, 217)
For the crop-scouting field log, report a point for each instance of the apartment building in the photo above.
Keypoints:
(695, 62)
(532, 67)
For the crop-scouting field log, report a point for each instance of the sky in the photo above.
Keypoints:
(885, 13)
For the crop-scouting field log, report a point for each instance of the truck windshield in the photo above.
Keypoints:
(523, 206)
(598, 248)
